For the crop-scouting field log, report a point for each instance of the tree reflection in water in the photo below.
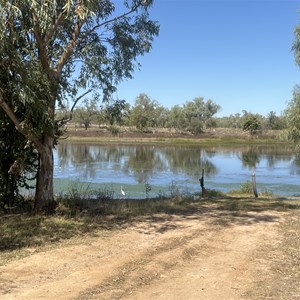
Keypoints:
(166, 165)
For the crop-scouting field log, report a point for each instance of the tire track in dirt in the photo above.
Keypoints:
(201, 255)
(183, 267)
(151, 265)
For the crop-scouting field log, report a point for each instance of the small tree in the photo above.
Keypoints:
(251, 124)
(198, 113)
(114, 112)
(176, 118)
(210, 109)
(274, 122)
(87, 114)
(143, 112)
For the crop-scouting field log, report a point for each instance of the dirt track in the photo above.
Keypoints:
(205, 254)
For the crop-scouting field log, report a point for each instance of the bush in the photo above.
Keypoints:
(251, 124)
(113, 130)
(246, 188)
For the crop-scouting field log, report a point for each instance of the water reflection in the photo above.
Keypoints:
(161, 166)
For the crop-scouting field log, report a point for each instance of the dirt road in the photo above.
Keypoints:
(204, 254)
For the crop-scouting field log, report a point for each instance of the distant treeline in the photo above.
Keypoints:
(194, 116)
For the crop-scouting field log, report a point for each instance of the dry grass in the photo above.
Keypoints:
(164, 135)
(282, 280)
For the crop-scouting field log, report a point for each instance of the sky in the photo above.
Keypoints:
(234, 52)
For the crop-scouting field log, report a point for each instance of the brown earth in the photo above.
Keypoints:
(207, 253)
(163, 133)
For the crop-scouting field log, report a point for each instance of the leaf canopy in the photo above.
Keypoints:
(61, 47)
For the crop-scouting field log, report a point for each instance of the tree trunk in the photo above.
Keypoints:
(44, 199)
(254, 184)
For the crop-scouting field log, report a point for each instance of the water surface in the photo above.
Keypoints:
(147, 170)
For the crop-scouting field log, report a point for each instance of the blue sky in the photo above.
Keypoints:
(237, 53)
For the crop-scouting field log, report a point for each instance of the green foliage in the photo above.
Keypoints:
(251, 124)
(293, 117)
(215, 193)
(145, 113)
(58, 49)
(293, 110)
(198, 113)
(106, 46)
(195, 126)
(86, 114)
(80, 198)
(274, 122)
(176, 118)
(18, 160)
(231, 121)
(114, 130)
(147, 189)
(115, 111)
(271, 121)
(246, 187)
(296, 44)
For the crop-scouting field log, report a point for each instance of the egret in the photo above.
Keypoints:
(122, 192)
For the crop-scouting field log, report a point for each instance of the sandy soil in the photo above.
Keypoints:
(205, 254)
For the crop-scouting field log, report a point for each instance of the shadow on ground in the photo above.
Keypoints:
(21, 231)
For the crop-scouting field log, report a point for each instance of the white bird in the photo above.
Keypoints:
(122, 192)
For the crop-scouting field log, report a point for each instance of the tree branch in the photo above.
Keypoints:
(114, 19)
(40, 42)
(11, 115)
(78, 98)
(19, 126)
(70, 47)
(54, 26)
(111, 21)
(66, 120)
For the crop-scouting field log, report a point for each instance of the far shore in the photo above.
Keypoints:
(161, 136)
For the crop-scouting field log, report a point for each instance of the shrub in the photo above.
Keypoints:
(251, 124)
(246, 187)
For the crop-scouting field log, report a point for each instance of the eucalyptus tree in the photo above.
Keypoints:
(275, 122)
(293, 110)
(176, 118)
(17, 159)
(60, 49)
(231, 121)
(143, 113)
(210, 109)
(114, 112)
(198, 112)
(293, 119)
(87, 113)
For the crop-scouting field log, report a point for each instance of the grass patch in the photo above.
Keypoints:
(19, 234)
(171, 140)
(123, 208)
(247, 204)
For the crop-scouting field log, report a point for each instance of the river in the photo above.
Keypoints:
(150, 171)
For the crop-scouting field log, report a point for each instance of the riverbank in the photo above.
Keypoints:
(227, 248)
(160, 135)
